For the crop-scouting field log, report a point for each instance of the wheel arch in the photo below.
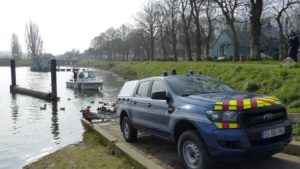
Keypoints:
(182, 126)
(122, 115)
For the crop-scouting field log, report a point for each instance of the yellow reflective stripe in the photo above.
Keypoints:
(247, 103)
(219, 103)
(218, 108)
(270, 100)
(274, 97)
(260, 103)
(233, 125)
(232, 107)
(219, 125)
(232, 102)
(277, 102)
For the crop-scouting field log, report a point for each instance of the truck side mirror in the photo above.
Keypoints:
(160, 95)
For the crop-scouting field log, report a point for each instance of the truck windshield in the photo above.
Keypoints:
(185, 86)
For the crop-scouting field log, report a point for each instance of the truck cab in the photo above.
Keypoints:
(206, 119)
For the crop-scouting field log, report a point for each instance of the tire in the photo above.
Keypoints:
(192, 152)
(129, 133)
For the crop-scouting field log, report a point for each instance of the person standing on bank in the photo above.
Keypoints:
(75, 73)
(293, 45)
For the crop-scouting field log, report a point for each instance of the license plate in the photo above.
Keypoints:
(273, 133)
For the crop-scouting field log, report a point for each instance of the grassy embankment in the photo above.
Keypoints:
(87, 154)
(24, 62)
(296, 131)
(265, 79)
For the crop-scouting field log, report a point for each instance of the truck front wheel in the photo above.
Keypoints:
(192, 151)
(129, 133)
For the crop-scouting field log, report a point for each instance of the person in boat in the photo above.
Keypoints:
(87, 114)
(75, 73)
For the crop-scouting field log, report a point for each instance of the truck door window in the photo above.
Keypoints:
(158, 86)
(128, 89)
(143, 89)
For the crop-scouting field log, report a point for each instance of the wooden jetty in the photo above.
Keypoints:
(14, 88)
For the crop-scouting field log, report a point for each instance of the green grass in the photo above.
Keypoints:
(88, 154)
(24, 62)
(296, 131)
(264, 79)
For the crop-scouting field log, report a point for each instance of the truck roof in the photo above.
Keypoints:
(173, 76)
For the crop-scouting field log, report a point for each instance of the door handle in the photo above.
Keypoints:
(149, 104)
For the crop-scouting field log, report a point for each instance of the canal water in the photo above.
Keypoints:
(26, 132)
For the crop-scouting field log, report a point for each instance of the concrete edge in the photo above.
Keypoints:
(120, 149)
(293, 148)
(294, 117)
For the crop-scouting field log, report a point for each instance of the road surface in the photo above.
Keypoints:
(165, 154)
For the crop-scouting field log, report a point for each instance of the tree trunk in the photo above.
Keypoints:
(207, 48)
(281, 39)
(163, 47)
(255, 28)
(151, 44)
(208, 38)
(235, 44)
(162, 42)
(198, 41)
(187, 39)
(174, 44)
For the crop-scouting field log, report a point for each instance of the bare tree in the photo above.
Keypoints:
(295, 19)
(149, 19)
(256, 8)
(196, 7)
(208, 27)
(229, 9)
(34, 40)
(163, 39)
(186, 18)
(172, 20)
(279, 7)
(124, 31)
(16, 50)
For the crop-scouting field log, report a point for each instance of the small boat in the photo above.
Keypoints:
(86, 81)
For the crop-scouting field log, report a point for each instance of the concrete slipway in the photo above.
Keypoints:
(155, 153)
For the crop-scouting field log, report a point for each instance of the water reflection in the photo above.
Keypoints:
(14, 108)
(14, 113)
(28, 132)
(55, 124)
(87, 93)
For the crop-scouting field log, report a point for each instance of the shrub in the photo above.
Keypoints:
(295, 104)
(250, 86)
(284, 75)
(296, 129)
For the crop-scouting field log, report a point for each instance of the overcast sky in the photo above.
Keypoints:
(64, 24)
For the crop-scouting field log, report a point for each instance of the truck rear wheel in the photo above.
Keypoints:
(192, 151)
(129, 133)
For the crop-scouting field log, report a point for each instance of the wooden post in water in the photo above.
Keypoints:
(53, 79)
(13, 74)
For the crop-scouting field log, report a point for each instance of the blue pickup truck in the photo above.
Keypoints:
(207, 120)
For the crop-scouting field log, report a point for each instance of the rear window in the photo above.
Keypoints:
(128, 88)
(143, 89)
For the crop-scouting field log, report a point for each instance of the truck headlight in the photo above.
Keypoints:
(223, 116)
